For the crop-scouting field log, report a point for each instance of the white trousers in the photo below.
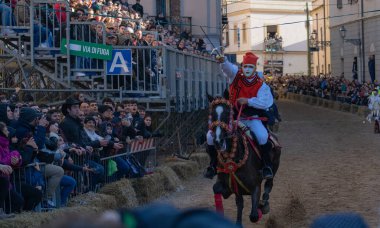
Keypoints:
(256, 126)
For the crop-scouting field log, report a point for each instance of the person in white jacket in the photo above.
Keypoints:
(246, 88)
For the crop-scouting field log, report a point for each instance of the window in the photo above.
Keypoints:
(271, 31)
(244, 33)
(236, 34)
(351, 2)
(339, 4)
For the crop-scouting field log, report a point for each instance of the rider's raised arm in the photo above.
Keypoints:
(229, 69)
(264, 99)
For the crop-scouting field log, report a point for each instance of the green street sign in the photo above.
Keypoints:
(86, 49)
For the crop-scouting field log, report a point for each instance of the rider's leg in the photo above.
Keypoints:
(261, 133)
(211, 151)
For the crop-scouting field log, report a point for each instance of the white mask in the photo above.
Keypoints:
(249, 69)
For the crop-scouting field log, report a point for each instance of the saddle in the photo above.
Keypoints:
(252, 139)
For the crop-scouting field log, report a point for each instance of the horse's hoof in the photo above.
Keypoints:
(239, 224)
(265, 208)
(255, 217)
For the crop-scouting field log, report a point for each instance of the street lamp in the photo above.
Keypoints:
(342, 31)
(356, 42)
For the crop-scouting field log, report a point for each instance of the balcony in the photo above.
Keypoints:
(273, 44)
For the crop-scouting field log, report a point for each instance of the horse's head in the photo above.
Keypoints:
(220, 122)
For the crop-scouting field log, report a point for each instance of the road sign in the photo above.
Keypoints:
(121, 62)
(86, 49)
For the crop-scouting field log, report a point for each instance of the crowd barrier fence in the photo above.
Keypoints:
(103, 171)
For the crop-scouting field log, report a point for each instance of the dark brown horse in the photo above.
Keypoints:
(239, 164)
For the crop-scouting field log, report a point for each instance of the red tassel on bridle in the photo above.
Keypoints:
(219, 203)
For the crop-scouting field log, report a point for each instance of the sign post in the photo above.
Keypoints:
(86, 49)
(120, 63)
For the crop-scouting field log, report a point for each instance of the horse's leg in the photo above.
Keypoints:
(265, 198)
(254, 216)
(240, 205)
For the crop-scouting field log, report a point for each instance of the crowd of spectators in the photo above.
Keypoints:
(125, 23)
(327, 87)
(68, 140)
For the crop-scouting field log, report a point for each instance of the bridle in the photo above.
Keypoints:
(226, 160)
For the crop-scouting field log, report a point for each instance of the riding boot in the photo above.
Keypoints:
(267, 170)
(211, 170)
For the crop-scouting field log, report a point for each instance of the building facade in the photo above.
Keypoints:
(273, 30)
(204, 14)
(320, 37)
(355, 37)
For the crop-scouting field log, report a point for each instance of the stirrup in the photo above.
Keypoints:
(267, 173)
(209, 173)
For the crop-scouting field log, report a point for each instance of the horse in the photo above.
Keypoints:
(239, 164)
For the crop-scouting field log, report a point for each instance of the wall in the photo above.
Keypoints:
(353, 27)
(295, 64)
(320, 16)
(204, 13)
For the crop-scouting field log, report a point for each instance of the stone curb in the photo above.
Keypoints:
(361, 111)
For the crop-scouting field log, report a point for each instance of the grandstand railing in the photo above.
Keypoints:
(176, 80)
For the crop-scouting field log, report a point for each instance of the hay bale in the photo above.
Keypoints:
(304, 99)
(326, 103)
(320, 102)
(184, 169)
(354, 109)
(314, 101)
(26, 219)
(38, 219)
(94, 200)
(123, 192)
(329, 104)
(149, 188)
(337, 106)
(363, 111)
(346, 107)
(170, 178)
(202, 159)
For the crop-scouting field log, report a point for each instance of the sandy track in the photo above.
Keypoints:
(330, 163)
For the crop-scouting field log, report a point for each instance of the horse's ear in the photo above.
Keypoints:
(226, 94)
(209, 97)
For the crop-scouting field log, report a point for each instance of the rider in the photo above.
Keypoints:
(247, 88)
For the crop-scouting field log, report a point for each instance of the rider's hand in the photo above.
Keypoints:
(242, 101)
(220, 58)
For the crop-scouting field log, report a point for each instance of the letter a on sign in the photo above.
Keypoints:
(121, 63)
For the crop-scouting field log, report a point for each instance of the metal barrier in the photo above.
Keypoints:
(87, 180)
(119, 166)
(23, 179)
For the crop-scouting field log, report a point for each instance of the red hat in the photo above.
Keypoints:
(250, 58)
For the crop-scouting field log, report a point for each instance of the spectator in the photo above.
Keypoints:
(161, 20)
(10, 200)
(138, 8)
(74, 133)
